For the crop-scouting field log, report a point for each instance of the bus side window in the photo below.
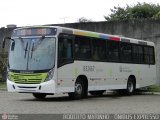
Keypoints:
(125, 52)
(65, 53)
(77, 50)
(99, 49)
(146, 55)
(82, 48)
(151, 56)
(140, 53)
(135, 54)
(113, 52)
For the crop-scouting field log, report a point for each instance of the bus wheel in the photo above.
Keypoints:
(130, 86)
(97, 93)
(39, 95)
(79, 90)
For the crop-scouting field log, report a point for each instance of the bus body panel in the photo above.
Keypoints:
(46, 87)
(105, 76)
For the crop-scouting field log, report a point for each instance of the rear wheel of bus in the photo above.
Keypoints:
(131, 86)
(130, 89)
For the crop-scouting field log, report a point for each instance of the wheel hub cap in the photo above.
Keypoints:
(78, 88)
(130, 87)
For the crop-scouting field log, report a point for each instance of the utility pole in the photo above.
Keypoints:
(64, 19)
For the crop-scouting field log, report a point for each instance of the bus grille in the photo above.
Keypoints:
(35, 78)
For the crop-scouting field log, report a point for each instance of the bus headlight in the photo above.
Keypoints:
(50, 75)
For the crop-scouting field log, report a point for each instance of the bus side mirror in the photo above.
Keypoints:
(4, 41)
(12, 46)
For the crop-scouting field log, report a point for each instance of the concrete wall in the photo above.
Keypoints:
(141, 29)
(5, 32)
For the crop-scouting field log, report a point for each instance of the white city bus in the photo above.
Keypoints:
(45, 60)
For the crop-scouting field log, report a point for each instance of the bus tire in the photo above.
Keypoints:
(39, 95)
(97, 93)
(79, 90)
(131, 86)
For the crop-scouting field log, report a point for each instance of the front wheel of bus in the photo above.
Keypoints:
(79, 90)
(39, 95)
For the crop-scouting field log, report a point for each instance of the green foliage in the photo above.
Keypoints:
(139, 11)
(3, 85)
(3, 66)
(154, 88)
(83, 19)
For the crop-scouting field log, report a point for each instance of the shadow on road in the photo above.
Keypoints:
(106, 96)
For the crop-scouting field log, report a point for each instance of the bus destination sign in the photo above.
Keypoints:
(34, 32)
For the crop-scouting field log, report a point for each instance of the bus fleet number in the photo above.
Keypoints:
(88, 68)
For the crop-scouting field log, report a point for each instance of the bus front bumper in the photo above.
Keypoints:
(45, 87)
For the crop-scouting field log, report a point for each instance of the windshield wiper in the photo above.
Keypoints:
(34, 47)
(32, 50)
(24, 47)
(26, 50)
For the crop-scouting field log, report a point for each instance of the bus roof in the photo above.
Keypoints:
(95, 35)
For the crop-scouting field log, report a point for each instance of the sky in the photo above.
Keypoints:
(40, 12)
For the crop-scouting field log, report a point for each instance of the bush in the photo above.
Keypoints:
(138, 11)
(3, 66)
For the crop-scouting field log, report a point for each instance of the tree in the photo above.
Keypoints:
(3, 66)
(138, 11)
(83, 19)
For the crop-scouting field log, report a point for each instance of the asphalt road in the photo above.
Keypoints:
(20, 103)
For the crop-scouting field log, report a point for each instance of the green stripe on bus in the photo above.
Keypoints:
(27, 78)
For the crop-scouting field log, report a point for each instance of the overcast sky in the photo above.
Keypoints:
(39, 12)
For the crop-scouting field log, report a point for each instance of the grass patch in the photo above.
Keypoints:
(3, 85)
(154, 88)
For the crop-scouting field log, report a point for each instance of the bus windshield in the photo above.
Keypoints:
(32, 53)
